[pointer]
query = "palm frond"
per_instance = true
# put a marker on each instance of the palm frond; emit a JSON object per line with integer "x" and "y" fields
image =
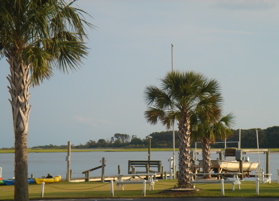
{"x": 159, "y": 98}
{"x": 153, "y": 115}
{"x": 54, "y": 28}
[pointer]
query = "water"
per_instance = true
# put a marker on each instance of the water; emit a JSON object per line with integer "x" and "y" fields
{"x": 40, "y": 164}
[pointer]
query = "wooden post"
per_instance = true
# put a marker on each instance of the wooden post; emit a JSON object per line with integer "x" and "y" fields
{"x": 87, "y": 176}
{"x": 119, "y": 170}
{"x": 68, "y": 159}
{"x": 148, "y": 167}
{"x": 133, "y": 170}
{"x": 220, "y": 155}
{"x": 241, "y": 169}
{"x": 149, "y": 155}
{"x": 267, "y": 162}
{"x": 103, "y": 170}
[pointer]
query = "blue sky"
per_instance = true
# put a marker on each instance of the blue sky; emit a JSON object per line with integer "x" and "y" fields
{"x": 235, "y": 42}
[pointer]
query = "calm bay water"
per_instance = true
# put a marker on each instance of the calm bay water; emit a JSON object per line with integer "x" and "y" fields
{"x": 40, "y": 164}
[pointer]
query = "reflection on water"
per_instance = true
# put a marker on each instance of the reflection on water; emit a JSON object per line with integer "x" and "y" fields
{"x": 40, "y": 164}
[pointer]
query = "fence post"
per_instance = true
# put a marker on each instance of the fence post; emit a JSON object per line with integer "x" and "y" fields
{"x": 144, "y": 188}
{"x": 222, "y": 187}
{"x": 257, "y": 186}
{"x": 43, "y": 189}
{"x": 111, "y": 188}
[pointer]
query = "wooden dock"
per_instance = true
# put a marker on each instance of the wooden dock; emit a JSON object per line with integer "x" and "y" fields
{"x": 109, "y": 178}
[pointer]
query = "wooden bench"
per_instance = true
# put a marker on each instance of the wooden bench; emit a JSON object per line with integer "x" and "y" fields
{"x": 144, "y": 164}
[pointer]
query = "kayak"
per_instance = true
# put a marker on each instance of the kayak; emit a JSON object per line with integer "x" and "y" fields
{"x": 12, "y": 181}
{"x": 48, "y": 180}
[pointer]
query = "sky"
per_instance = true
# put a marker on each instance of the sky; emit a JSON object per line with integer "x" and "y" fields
{"x": 234, "y": 42}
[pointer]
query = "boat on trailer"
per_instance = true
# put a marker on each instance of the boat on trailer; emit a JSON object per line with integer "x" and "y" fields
{"x": 220, "y": 166}
{"x": 233, "y": 166}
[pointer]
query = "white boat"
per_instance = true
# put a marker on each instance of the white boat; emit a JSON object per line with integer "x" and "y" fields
{"x": 233, "y": 166}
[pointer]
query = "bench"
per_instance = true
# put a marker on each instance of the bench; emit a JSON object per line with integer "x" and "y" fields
{"x": 144, "y": 164}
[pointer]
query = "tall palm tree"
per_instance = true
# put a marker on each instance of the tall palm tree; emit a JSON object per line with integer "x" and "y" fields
{"x": 208, "y": 130}
{"x": 36, "y": 36}
{"x": 180, "y": 96}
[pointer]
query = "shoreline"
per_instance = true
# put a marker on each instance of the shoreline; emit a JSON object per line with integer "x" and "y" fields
{"x": 30, "y": 150}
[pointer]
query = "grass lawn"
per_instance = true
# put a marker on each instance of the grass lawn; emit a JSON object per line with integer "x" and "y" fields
{"x": 102, "y": 190}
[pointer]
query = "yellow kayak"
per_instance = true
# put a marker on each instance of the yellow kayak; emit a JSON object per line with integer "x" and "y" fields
{"x": 48, "y": 180}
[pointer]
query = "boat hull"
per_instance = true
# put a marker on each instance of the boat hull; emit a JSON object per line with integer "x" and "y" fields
{"x": 48, "y": 180}
{"x": 233, "y": 166}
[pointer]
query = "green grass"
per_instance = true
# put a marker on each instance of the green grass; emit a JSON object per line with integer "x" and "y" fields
{"x": 102, "y": 190}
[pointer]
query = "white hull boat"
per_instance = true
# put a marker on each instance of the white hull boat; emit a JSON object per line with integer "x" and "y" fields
{"x": 233, "y": 166}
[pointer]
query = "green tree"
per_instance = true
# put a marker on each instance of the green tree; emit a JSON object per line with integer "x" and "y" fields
{"x": 35, "y": 37}
{"x": 208, "y": 129}
{"x": 136, "y": 141}
{"x": 102, "y": 143}
{"x": 179, "y": 97}
{"x": 122, "y": 137}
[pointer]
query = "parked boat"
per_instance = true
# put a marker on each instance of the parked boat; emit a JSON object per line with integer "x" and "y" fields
{"x": 48, "y": 180}
{"x": 233, "y": 166}
{"x": 2, "y": 182}
{"x": 12, "y": 181}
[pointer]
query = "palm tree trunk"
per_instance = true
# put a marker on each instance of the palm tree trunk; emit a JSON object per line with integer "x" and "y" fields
{"x": 184, "y": 178}
{"x": 206, "y": 156}
{"x": 19, "y": 91}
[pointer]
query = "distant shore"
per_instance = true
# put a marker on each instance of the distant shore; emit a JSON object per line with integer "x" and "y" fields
{"x": 30, "y": 150}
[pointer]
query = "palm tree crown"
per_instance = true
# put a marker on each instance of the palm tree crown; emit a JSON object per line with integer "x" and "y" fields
{"x": 181, "y": 95}
{"x": 42, "y": 34}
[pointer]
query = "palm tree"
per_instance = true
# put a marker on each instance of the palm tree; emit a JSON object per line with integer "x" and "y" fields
{"x": 181, "y": 96}
{"x": 208, "y": 130}
{"x": 35, "y": 37}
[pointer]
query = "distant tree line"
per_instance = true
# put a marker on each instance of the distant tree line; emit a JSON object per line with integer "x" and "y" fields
{"x": 268, "y": 138}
